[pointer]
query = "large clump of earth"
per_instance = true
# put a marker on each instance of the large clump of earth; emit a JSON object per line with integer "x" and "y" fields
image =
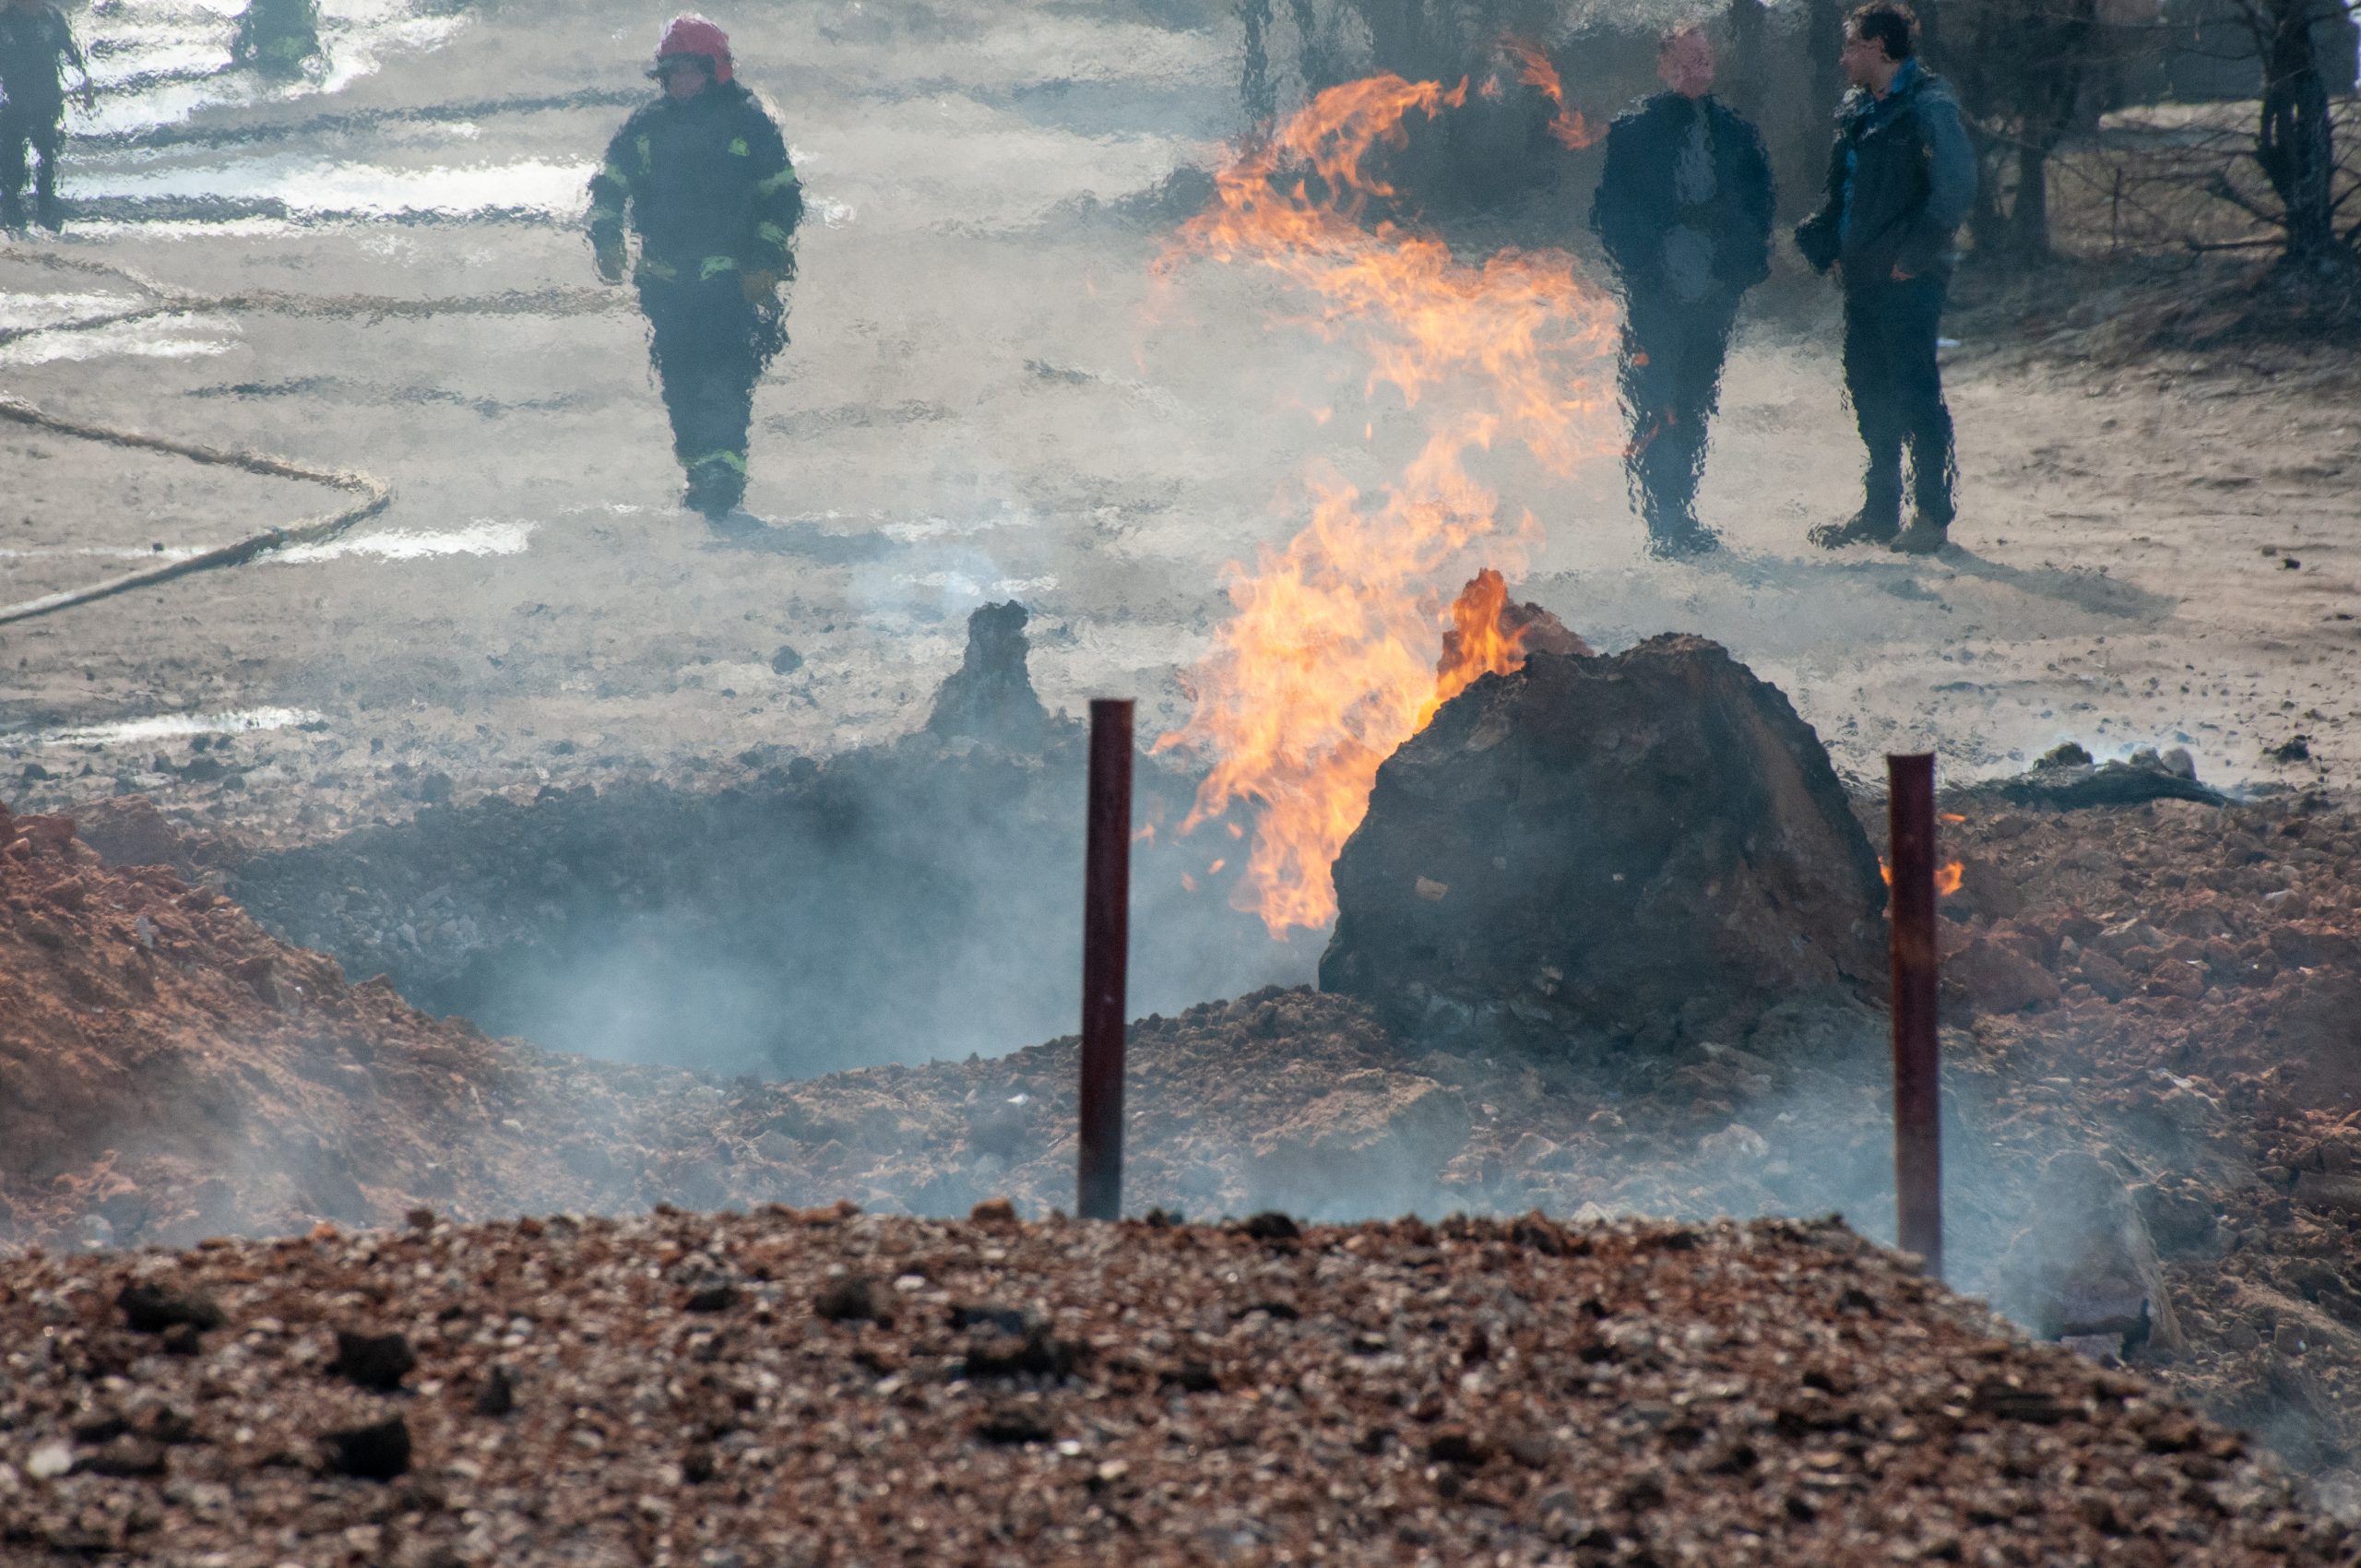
{"x": 1643, "y": 846}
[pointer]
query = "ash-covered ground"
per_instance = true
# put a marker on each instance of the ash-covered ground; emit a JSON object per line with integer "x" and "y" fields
{"x": 985, "y": 397}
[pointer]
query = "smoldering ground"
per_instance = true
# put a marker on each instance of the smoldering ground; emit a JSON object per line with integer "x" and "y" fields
{"x": 896, "y": 903}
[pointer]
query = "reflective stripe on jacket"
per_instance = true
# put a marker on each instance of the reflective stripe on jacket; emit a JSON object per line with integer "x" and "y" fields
{"x": 708, "y": 184}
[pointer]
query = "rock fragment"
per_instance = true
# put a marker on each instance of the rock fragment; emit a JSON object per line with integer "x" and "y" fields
{"x": 376, "y": 1362}
{"x": 150, "y": 1307}
{"x": 377, "y": 1452}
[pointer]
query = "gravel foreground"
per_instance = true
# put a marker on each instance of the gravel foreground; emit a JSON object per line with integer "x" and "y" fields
{"x": 828, "y": 1387}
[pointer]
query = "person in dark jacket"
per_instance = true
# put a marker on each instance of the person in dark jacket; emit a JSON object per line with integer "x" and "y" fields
{"x": 35, "y": 47}
{"x": 714, "y": 202}
{"x": 1901, "y": 179}
{"x": 1683, "y": 209}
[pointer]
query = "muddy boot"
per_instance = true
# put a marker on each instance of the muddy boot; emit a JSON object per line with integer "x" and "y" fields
{"x": 1923, "y": 537}
{"x": 1858, "y": 528}
{"x": 1681, "y": 538}
{"x": 717, "y": 484}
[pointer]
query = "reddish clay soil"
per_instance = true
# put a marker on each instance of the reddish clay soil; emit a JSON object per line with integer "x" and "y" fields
{"x": 828, "y": 1387}
{"x": 2169, "y": 991}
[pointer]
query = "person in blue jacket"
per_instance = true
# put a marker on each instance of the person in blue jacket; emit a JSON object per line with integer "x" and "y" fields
{"x": 712, "y": 195}
{"x": 1900, "y": 179}
{"x": 1683, "y": 209}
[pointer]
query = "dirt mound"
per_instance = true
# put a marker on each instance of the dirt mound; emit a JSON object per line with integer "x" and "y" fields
{"x": 1642, "y": 845}
{"x": 168, "y": 1071}
{"x": 826, "y": 1386}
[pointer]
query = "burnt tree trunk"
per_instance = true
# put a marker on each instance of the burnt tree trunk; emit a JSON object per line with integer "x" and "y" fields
{"x": 2029, "y": 217}
{"x": 2294, "y": 143}
{"x": 1746, "y": 58}
{"x": 1254, "y": 92}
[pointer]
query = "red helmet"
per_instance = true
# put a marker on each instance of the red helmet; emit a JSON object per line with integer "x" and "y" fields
{"x": 692, "y": 34}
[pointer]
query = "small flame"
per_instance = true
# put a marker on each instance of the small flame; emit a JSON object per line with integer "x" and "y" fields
{"x": 1949, "y": 877}
{"x": 1567, "y": 126}
{"x": 1477, "y": 644}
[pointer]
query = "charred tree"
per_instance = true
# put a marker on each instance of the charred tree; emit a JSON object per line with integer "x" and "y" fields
{"x": 1747, "y": 61}
{"x": 2294, "y": 142}
{"x": 2023, "y": 68}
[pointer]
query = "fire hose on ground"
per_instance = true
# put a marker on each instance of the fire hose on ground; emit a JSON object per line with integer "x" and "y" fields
{"x": 374, "y": 494}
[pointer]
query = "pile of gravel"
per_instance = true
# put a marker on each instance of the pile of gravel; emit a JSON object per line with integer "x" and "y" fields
{"x": 828, "y": 1387}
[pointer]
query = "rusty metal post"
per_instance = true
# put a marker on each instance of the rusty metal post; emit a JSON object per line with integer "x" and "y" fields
{"x": 1106, "y": 943}
{"x": 1917, "y": 1066}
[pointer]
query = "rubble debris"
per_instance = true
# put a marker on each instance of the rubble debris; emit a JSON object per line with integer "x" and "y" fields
{"x": 1776, "y": 1392}
{"x": 1646, "y": 844}
{"x": 990, "y": 696}
{"x": 2068, "y": 776}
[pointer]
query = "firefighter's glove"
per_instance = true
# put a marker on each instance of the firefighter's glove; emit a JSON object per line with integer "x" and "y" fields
{"x": 758, "y": 287}
{"x": 610, "y": 261}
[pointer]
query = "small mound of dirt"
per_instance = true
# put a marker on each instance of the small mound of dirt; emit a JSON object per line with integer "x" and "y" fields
{"x": 169, "y": 1071}
{"x": 1646, "y": 844}
{"x": 691, "y": 1389}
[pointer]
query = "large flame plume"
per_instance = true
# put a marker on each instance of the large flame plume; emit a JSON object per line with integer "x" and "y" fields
{"x": 1327, "y": 665}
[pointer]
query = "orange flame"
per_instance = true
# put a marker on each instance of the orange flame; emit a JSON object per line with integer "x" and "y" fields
{"x": 1326, "y": 666}
{"x": 1948, "y": 878}
{"x": 1567, "y": 126}
{"x": 1477, "y": 644}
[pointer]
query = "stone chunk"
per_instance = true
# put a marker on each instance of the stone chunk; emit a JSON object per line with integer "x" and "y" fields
{"x": 378, "y": 1452}
{"x": 150, "y": 1308}
{"x": 372, "y": 1360}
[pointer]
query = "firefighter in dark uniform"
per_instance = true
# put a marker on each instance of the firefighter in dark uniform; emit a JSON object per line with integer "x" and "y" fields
{"x": 278, "y": 37}
{"x": 1683, "y": 210}
{"x": 35, "y": 47}
{"x": 704, "y": 175}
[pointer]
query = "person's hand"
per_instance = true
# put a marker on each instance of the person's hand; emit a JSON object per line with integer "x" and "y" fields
{"x": 611, "y": 263}
{"x": 758, "y": 286}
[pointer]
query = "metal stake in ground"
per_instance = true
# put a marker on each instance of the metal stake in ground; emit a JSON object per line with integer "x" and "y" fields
{"x": 1105, "y": 942}
{"x": 1917, "y": 1067}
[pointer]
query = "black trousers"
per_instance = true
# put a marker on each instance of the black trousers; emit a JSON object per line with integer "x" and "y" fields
{"x": 1897, "y": 392}
{"x": 1671, "y": 376}
{"x": 709, "y": 347}
{"x": 40, "y": 127}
